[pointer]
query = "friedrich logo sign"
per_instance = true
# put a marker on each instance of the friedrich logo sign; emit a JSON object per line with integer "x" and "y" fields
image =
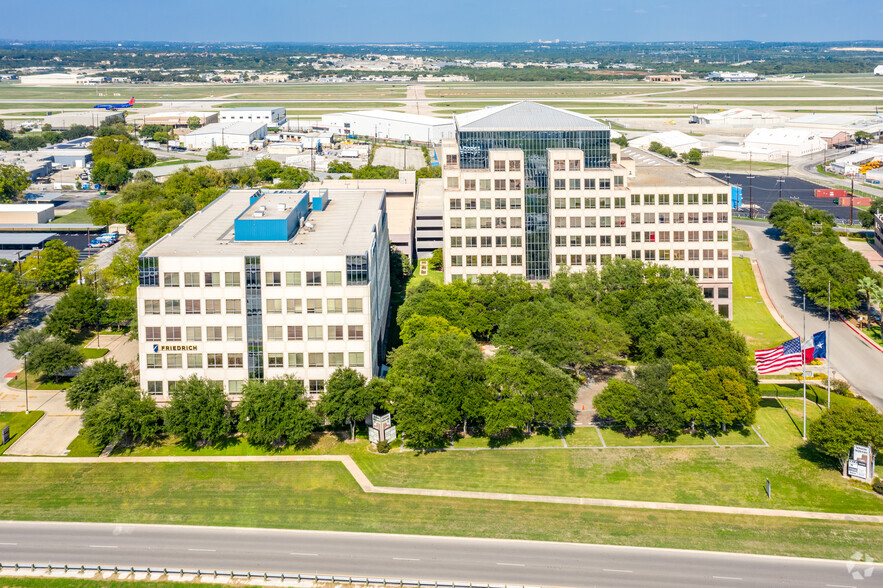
{"x": 157, "y": 348}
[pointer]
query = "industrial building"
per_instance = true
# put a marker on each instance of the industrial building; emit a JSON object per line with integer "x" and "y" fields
{"x": 878, "y": 71}
{"x": 27, "y": 160}
{"x": 73, "y": 153}
{"x": 26, "y": 214}
{"x": 792, "y": 142}
{"x": 847, "y": 122}
{"x": 675, "y": 140}
{"x": 62, "y": 121}
{"x": 738, "y": 118}
{"x": 529, "y": 188}
{"x": 61, "y": 79}
{"x": 747, "y": 154}
{"x": 272, "y": 116}
{"x": 266, "y": 283}
{"x": 850, "y": 165}
{"x": 733, "y": 76}
{"x": 180, "y": 120}
{"x": 235, "y": 135}
{"x": 386, "y": 124}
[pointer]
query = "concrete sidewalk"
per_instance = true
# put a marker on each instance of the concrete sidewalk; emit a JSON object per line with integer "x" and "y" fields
{"x": 366, "y": 486}
{"x": 50, "y": 435}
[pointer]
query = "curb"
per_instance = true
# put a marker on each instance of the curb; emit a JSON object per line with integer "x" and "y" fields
{"x": 859, "y": 333}
{"x": 765, "y": 296}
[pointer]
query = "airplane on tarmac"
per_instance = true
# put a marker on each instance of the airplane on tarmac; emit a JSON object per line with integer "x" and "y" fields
{"x": 128, "y": 104}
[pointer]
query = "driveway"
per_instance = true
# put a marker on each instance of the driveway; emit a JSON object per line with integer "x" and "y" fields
{"x": 858, "y": 362}
{"x": 38, "y": 307}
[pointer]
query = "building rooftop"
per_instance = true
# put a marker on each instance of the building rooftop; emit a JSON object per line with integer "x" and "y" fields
{"x": 401, "y": 117}
{"x": 781, "y": 136}
{"x": 526, "y": 116}
{"x": 653, "y": 170}
{"x": 25, "y": 207}
{"x": 430, "y": 195}
{"x": 274, "y": 204}
{"x": 344, "y": 227}
{"x": 240, "y": 127}
{"x": 253, "y": 109}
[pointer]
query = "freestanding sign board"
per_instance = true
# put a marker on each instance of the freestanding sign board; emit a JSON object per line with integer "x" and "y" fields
{"x": 380, "y": 428}
{"x": 5, "y": 435}
{"x": 860, "y": 466}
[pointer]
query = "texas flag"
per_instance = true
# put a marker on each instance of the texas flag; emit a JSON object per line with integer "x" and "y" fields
{"x": 815, "y": 348}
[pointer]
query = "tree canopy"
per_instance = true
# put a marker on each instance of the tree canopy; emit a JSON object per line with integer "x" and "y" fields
{"x": 275, "y": 411}
{"x": 199, "y": 412}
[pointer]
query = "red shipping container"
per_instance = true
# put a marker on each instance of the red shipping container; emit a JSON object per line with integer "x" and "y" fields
{"x": 855, "y": 201}
{"x": 826, "y": 193}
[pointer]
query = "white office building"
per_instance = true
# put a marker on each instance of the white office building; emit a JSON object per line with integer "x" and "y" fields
{"x": 529, "y": 188}
{"x": 272, "y": 116}
{"x": 261, "y": 284}
{"x": 235, "y": 135}
{"x": 386, "y": 124}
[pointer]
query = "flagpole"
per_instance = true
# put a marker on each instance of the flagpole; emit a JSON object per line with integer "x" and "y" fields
{"x": 827, "y": 344}
{"x": 803, "y": 366}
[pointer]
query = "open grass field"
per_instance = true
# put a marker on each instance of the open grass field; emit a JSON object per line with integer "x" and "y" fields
{"x": 725, "y": 164}
{"x": 79, "y": 215}
{"x": 81, "y": 447}
{"x": 18, "y": 423}
{"x": 740, "y": 240}
{"x": 324, "y": 496}
{"x": 750, "y": 315}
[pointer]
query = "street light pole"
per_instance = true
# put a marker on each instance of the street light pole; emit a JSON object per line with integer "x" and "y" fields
{"x": 27, "y": 409}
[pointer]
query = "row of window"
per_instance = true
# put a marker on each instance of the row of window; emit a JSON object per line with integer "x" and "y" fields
{"x": 234, "y": 279}
{"x": 575, "y": 203}
{"x": 484, "y": 203}
{"x": 274, "y": 333}
{"x": 636, "y": 237}
{"x": 486, "y": 222}
{"x": 590, "y": 222}
{"x": 587, "y": 183}
{"x": 708, "y": 293}
{"x": 236, "y": 360}
{"x": 501, "y": 241}
{"x": 649, "y": 218}
{"x": 155, "y": 387}
{"x": 272, "y": 306}
{"x": 592, "y": 259}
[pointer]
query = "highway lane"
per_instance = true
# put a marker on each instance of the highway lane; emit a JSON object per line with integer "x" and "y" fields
{"x": 858, "y": 362}
{"x": 404, "y": 556}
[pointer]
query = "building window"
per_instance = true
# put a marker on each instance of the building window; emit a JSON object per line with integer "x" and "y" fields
{"x": 355, "y": 332}
{"x": 471, "y": 261}
{"x": 456, "y": 223}
{"x": 191, "y": 279}
{"x": 148, "y": 271}
{"x": 192, "y": 307}
{"x": 560, "y": 260}
{"x": 174, "y": 360}
{"x": 707, "y": 217}
{"x": 605, "y": 221}
{"x": 292, "y": 278}
{"x": 664, "y": 255}
{"x": 275, "y": 360}
{"x": 708, "y": 199}
{"x": 591, "y": 240}
{"x": 604, "y": 203}
{"x": 636, "y": 236}
{"x": 194, "y": 333}
{"x": 515, "y": 184}
{"x": 485, "y": 222}
{"x": 515, "y": 260}
{"x": 295, "y": 360}
{"x": 576, "y": 222}
{"x": 604, "y": 184}
{"x": 295, "y": 333}
{"x": 677, "y": 199}
{"x": 574, "y": 184}
{"x": 469, "y": 185}
{"x": 515, "y": 203}
{"x": 214, "y": 360}
{"x": 153, "y": 360}
{"x": 560, "y": 165}
{"x": 589, "y": 183}
{"x": 453, "y": 182}
{"x": 213, "y": 306}
{"x": 234, "y": 306}
{"x": 723, "y": 273}
{"x": 484, "y": 203}
{"x": 619, "y": 240}
{"x": 316, "y": 360}
{"x": 590, "y": 202}
{"x": 354, "y": 305}
{"x": 314, "y": 278}
{"x": 485, "y": 242}
{"x": 213, "y": 334}
{"x": 693, "y": 199}
{"x": 456, "y": 261}
{"x": 154, "y": 388}
{"x": 723, "y": 292}
{"x": 334, "y": 278}
{"x": 472, "y": 223}
{"x": 335, "y": 333}
{"x": 560, "y": 184}
{"x": 234, "y": 360}
{"x": 171, "y": 280}
{"x": 274, "y": 306}
{"x": 500, "y": 222}
{"x": 500, "y": 204}
{"x": 693, "y": 217}
{"x": 501, "y": 241}
{"x": 649, "y": 218}
{"x": 234, "y": 333}
{"x": 173, "y": 307}
{"x": 314, "y": 333}
{"x": 663, "y": 199}
{"x": 514, "y": 165}
{"x": 356, "y": 270}
{"x": 314, "y": 305}
{"x": 501, "y": 260}
{"x": 664, "y": 218}
{"x": 317, "y": 386}
{"x": 484, "y": 185}
{"x": 194, "y": 361}
{"x": 212, "y": 279}
{"x": 274, "y": 333}
{"x": 487, "y": 260}
{"x": 723, "y": 217}
{"x": 151, "y": 307}
{"x": 471, "y": 241}
{"x": 499, "y": 185}
{"x": 153, "y": 333}
{"x": 231, "y": 279}
{"x": 664, "y": 236}
{"x": 451, "y": 159}
{"x": 574, "y": 165}
{"x": 293, "y": 305}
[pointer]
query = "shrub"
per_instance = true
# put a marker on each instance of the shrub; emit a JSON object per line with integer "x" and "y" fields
{"x": 383, "y": 447}
{"x": 877, "y": 486}
{"x": 840, "y": 387}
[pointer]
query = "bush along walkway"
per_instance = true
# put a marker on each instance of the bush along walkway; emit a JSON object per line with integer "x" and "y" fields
{"x": 367, "y": 487}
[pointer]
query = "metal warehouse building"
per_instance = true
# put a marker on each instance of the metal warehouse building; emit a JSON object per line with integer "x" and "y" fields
{"x": 235, "y": 135}
{"x": 385, "y": 124}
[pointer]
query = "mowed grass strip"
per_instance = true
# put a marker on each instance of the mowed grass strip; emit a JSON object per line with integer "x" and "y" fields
{"x": 750, "y": 315}
{"x": 323, "y": 496}
{"x": 740, "y": 240}
{"x": 18, "y": 423}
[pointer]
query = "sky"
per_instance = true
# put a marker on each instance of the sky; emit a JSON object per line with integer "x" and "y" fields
{"x": 389, "y": 21}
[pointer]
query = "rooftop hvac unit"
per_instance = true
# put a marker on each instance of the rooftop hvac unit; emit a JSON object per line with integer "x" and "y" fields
{"x": 281, "y": 206}
{"x": 259, "y": 213}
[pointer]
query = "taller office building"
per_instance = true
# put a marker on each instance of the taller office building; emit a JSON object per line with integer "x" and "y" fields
{"x": 529, "y": 188}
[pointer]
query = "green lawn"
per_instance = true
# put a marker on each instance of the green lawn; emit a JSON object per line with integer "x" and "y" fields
{"x": 750, "y": 314}
{"x": 434, "y": 276}
{"x": 727, "y": 164}
{"x": 81, "y": 447}
{"x": 18, "y": 423}
{"x": 614, "y": 438}
{"x": 740, "y": 240}
{"x": 35, "y": 383}
{"x": 93, "y": 352}
{"x": 738, "y": 436}
{"x": 582, "y": 437}
{"x": 77, "y": 216}
{"x": 542, "y": 438}
{"x": 324, "y": 496}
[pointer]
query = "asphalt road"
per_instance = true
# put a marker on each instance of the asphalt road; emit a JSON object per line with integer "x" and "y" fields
{"x": 850, "y": 355}
{"x": 406, "y": 557}
{"x": 38, "y": 307}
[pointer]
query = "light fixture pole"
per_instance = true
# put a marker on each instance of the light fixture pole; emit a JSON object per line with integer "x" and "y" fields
{"x": 27, "y": 409}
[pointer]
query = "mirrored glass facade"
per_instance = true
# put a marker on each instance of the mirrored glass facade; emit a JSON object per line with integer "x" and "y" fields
{"x": 474, "y": 148}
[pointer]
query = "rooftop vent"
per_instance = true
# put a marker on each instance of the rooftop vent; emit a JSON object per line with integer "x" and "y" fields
{"x": 281, "y": 206}
{"x": 259, "y": 213}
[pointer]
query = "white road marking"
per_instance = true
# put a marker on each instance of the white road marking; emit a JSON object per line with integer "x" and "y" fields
{"x": 305, "y": 554}
{"x": 104, "y": 547}
{"x": 839, "y": 586}
{"x": 725, "y": 578}
{"x": 8, "y": 543}
{"x": 405, "y": 559}
{"x": 510, "y": 564}
{"x": 620, "y": 571}
{"x": 197, "y": 549}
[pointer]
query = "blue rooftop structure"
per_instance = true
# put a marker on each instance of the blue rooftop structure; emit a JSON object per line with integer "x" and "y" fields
{"x": 272, "y": 216}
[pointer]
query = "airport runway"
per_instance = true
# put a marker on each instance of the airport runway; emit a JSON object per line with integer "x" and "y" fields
{"x": 410, "y": 557}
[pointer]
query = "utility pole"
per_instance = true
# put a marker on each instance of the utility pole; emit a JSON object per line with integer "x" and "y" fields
{"x": 803, "y": 366}
{"x": 851, "y": 197}
{"x": 750, "y": 193}
{"x": 780, "y": 181}
{"x": 828, "y": 344}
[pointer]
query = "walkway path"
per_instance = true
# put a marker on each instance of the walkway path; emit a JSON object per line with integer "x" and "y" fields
{"x": 366, "y": 486}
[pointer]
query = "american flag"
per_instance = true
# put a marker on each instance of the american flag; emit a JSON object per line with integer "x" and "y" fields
{"x": 786, "y": 355}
